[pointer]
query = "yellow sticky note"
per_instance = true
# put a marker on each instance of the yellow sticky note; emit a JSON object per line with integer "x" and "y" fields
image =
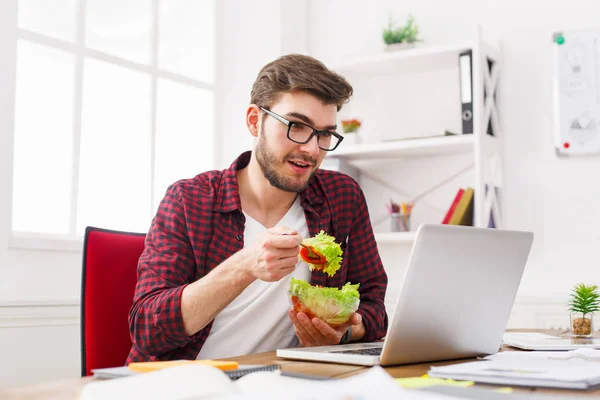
{"x": 503, "y": 390}
{"x": 425, "y": 381}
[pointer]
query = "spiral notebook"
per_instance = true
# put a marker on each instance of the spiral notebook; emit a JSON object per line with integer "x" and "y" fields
{"x": 119, "y": 372}
{"x": 248, "y": 369}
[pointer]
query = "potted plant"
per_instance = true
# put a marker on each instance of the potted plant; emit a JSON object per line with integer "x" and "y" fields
{"x": 350, "y": 128}
{"x": 401, "y": 37}
{"x": 585, "y": 301}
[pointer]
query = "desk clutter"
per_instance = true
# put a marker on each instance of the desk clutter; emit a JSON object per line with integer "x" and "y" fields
{"x": 198, "y": 381}
{"x": 202, "y": 381}
{"x": 577, "y": 369}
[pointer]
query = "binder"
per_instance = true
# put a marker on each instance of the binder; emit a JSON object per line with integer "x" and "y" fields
{"x": 466, "y": 90}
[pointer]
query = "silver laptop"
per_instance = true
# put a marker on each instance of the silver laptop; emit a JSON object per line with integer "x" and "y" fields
{"x": 454, "y": 302}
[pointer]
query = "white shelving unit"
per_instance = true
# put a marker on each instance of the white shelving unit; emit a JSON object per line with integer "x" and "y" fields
{"x": 481, "y": 149}
{"x": 418, "y": 59}
{"x": 395, "y": 237}
{"x": 406, "y": 148}
{"x": 407, "y": 99}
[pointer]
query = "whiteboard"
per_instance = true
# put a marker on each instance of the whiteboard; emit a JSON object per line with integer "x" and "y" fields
{"x": 577, "y": 92}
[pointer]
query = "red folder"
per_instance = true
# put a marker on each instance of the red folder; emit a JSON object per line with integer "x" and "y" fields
{"x": 453, "y": 206}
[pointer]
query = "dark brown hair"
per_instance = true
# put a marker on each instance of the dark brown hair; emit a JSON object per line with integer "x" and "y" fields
{"x": 299, "y": 72}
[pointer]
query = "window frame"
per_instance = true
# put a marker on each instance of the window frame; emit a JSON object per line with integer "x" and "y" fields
{"x": 72, "y": 242}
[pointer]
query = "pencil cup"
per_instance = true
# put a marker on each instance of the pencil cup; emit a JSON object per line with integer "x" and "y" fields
{"x": 400, "y": 222}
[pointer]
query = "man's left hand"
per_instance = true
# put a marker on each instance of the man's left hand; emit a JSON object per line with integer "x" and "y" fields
{"x": 316, "y": 332}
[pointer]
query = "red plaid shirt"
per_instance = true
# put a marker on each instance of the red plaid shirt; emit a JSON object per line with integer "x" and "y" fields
{"x": 200, "y": 224}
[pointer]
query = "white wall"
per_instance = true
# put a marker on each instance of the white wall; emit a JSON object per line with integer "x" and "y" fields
{"x": 555, "y": 198}
{"x": 254, "y": 33}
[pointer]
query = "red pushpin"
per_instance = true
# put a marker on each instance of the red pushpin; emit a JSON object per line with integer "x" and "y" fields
{"x": 566, "y": 145}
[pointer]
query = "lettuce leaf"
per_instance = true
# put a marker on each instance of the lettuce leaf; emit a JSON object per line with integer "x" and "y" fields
{"x": 327, "y": 246}
{"x": 332, "y": 305}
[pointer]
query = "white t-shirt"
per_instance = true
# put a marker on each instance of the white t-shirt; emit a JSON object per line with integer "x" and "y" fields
{"x": 257, "y": 320}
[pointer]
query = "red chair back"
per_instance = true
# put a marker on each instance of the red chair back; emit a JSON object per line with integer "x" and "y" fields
{"x": 108, "y": 280}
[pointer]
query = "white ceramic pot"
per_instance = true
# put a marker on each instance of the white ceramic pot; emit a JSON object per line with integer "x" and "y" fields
{"x": 399, "y": 46}
{"x": 351, "y": 138}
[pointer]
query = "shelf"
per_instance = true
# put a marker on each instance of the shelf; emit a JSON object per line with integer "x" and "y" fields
{"x": 395, "y": 237}
{"x": 418, "y": 59}
{"x": 406, "y": 148}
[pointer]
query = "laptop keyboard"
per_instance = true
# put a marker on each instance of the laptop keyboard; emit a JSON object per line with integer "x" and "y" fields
{"x": 373, "y": 351}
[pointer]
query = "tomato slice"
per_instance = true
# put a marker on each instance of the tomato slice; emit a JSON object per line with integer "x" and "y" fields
{"x": 299, "y": 307}
{"x": 317, "y": 259}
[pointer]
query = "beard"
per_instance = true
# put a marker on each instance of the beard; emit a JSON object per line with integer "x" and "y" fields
{"x": 268, "y": 164}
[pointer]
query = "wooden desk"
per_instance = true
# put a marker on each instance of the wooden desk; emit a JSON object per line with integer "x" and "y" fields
{"x": 69, "y": 389}
{"x": 401, "y": 371}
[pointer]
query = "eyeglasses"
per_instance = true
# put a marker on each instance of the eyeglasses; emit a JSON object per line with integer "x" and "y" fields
{"x": 301, "y": 133}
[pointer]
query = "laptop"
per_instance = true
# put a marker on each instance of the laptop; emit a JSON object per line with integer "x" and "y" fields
{"x": 454, "y": 302}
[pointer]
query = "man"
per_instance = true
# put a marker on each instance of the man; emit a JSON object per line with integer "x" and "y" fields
{"x": 214, "y": 275}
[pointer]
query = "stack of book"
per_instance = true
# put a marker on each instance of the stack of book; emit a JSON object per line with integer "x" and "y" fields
{"x": 461, "y": 209}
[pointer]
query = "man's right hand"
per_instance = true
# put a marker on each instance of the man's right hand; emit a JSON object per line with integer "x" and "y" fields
{"x": 274, "y": 255}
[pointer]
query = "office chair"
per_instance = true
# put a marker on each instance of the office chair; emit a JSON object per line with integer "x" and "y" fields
{"x": 108, "y": 279}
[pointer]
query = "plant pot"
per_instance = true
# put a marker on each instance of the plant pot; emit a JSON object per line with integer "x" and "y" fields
{"x": 582, "y": 326}
{"x": 351, "y": 138}
{"x": 399, "y": 46}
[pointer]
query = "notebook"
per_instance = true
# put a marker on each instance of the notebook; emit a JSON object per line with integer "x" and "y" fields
{"x": 242, "y": 370}
{"x": 454, "y": 301}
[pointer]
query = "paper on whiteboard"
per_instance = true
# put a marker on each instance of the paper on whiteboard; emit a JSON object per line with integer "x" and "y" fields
{"x": 577, "y": 92}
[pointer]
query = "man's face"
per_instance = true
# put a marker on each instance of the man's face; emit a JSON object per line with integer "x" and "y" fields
{"x": 287, "y": 165}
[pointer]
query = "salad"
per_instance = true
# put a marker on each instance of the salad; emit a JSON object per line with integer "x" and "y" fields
{"x": 322, "y": 253}
{"x": 332, "y": 305}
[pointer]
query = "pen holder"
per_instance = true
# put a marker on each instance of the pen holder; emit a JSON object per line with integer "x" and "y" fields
{"x": 400, "y": 222}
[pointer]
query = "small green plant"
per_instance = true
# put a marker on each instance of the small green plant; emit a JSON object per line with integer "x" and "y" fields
{"x": 584, "y": 299}
{"x": 404, "y": 34}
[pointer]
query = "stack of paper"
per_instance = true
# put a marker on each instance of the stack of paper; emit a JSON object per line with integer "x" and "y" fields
{"x": 204, "y": 382}
{"x": 541, "y": 341}
{"x": 577, "y": 369}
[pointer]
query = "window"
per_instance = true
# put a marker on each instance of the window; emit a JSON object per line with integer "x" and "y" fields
{"x": 114, "y": 102}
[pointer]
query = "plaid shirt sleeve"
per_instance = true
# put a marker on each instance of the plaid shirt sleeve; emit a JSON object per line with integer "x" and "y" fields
{"x": 165, "y": 268}
{"x": 365, "y": 266}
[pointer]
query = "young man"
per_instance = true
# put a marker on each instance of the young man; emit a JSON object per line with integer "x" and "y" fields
{"x": 213, "y": 278}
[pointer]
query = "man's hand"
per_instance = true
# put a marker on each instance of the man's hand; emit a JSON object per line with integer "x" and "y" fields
{"x": 316, "y": 332}
{"x": 274, "y": 255}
